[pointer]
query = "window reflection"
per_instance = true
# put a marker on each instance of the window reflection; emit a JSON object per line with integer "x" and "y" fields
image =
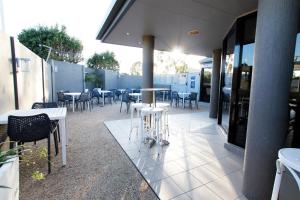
{"x": 296, "y": 74}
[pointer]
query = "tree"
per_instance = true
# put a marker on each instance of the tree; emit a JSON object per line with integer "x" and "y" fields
{"x": 64, "y": 47}
{"x": 105, "y": 60}
{"x": 136, "y": 68}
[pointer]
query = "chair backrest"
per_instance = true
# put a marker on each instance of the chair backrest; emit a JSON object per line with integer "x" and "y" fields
{"x": 40, "y": 105}
{"x": 193, "y": 95}
{"x": 174, "y": 95}
{"x": 37, "y": 105}
{"x": 84, "y": 96}
{"x": 60, "y": 96}
{"x": 28, "y": 128}
{"x": 50, "y": 105}
{"x": 125, "y": 97}
{"x": 96, "y": 93}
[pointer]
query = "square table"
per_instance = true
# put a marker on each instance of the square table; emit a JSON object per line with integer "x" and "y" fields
{"x": 54, "y": 114}
{"x": 73, "y": 94}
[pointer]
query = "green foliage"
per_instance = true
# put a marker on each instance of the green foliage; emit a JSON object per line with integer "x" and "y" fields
{"x": 64, "y": 47}
{"x": 181, "y": 67}
{"x": 94, "y": 78}
{"x": 105, "y": 60}
{"x": 28, "y": 157}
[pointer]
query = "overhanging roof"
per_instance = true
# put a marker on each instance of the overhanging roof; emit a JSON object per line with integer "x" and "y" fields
{"x": 171, "y": 20}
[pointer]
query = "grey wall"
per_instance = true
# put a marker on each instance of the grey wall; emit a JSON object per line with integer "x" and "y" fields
{"x": 68, "y": 76}
{"x": 128, "y": 81}
{"x": 111, "y": 80}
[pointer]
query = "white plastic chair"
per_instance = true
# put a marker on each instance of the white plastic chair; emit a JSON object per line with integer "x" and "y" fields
{"x": 289, "y": 158}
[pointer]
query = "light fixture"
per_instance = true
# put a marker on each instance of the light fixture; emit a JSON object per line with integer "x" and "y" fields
{"x": 128, "y": 34}
{"x": 177, "y": 51}
{"x": 193, "y": 32}
{"x": 139, "y": 43}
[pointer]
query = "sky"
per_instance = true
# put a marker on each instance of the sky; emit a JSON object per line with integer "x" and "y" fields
{"x": 83, "y": 20}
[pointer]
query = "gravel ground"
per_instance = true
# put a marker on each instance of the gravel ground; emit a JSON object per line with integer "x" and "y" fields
{"x": 97, "y": 167}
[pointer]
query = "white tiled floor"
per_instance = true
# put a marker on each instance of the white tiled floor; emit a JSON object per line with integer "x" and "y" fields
{"x": 195, "y": 165}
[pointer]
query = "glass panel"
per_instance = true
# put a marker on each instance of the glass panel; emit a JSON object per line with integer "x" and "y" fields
{"x": 205, "y": 87}
{"x": 247, "y": 57}
{"x": 296, "y": 75}
{"x": 228, "y": 72}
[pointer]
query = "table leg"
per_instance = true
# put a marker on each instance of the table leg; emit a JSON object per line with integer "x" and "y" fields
{"x": 73, "y": 98}
{"x": 183, "y": 101}
{"x": 154, "y": 99}
{"x": 103, "y": 99}
{"x": 64, "y": 140}
{"x": 164, "y": 95}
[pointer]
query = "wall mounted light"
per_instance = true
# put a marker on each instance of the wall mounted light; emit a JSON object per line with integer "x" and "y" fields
{"x": 22, "y": 64}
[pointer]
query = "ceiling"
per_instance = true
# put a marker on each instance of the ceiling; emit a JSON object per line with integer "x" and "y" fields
{"x": 171, "y": 20}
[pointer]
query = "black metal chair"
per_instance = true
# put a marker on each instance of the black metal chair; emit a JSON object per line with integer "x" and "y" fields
{"x": 63, "y": 100}
{"x": 118, "y": 94}
{"x": 126, "y": 99}
{"x": 193, "y": 97}
{"x": 29, "y": 129}
{"x": 84, "y": 100}
{"x": 110, "y": 96}
{"x": 174, "y": 97}
{"x": 54, "y": 123}
{"x": 96, "y": 94}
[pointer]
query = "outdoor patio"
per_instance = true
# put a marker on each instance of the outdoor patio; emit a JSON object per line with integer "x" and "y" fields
{"x": 99, "y": 168}
{"x": 195, "y": 165}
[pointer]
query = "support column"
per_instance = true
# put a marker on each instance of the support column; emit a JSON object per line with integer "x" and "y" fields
{"x": 276, "y": 30}
{"x": 215, "y": 81}
{"x": 148, "y": 66}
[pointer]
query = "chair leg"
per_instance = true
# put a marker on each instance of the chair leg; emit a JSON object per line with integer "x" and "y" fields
{"x": 49, "y": 157}
{"x": 55, "y": 142}
{"x": 58, "y": 132}
{"x": 121, "y": 106}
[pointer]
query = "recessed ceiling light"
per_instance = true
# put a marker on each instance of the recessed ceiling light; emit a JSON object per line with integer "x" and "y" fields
{"x": 193, "y": 32}
{"x": 139, "y": 42}
{"x": 128, "y": 34}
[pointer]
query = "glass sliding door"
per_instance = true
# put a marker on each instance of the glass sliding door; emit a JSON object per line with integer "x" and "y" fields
{"x": 226, "y": 80}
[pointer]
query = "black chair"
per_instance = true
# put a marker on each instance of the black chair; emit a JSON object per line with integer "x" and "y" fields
{"x": 54, "y": 123}
{"x": 84, "y": 100}
{"x": 126, "y": 99}
{"x": 110, "y": 96}
{"x": 118, "y": 94}
{"x": 186, "y": 98}
{"x": 193, "y": 97}
{"x": 96, "y": 94}
{"x": 174, "y": 97}
{"x": 63, "y": 100}
{"x": 29, "y": 129}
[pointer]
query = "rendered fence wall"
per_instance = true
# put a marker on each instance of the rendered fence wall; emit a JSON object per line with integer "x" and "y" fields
{"x": 29, "y": 76}
{"x": 67, "y": 76}
{"x": 6, "y": 77}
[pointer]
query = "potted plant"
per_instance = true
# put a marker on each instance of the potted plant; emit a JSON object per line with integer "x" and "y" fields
{"x": 94, "y": 79}
{"x": 9, "y": 168}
